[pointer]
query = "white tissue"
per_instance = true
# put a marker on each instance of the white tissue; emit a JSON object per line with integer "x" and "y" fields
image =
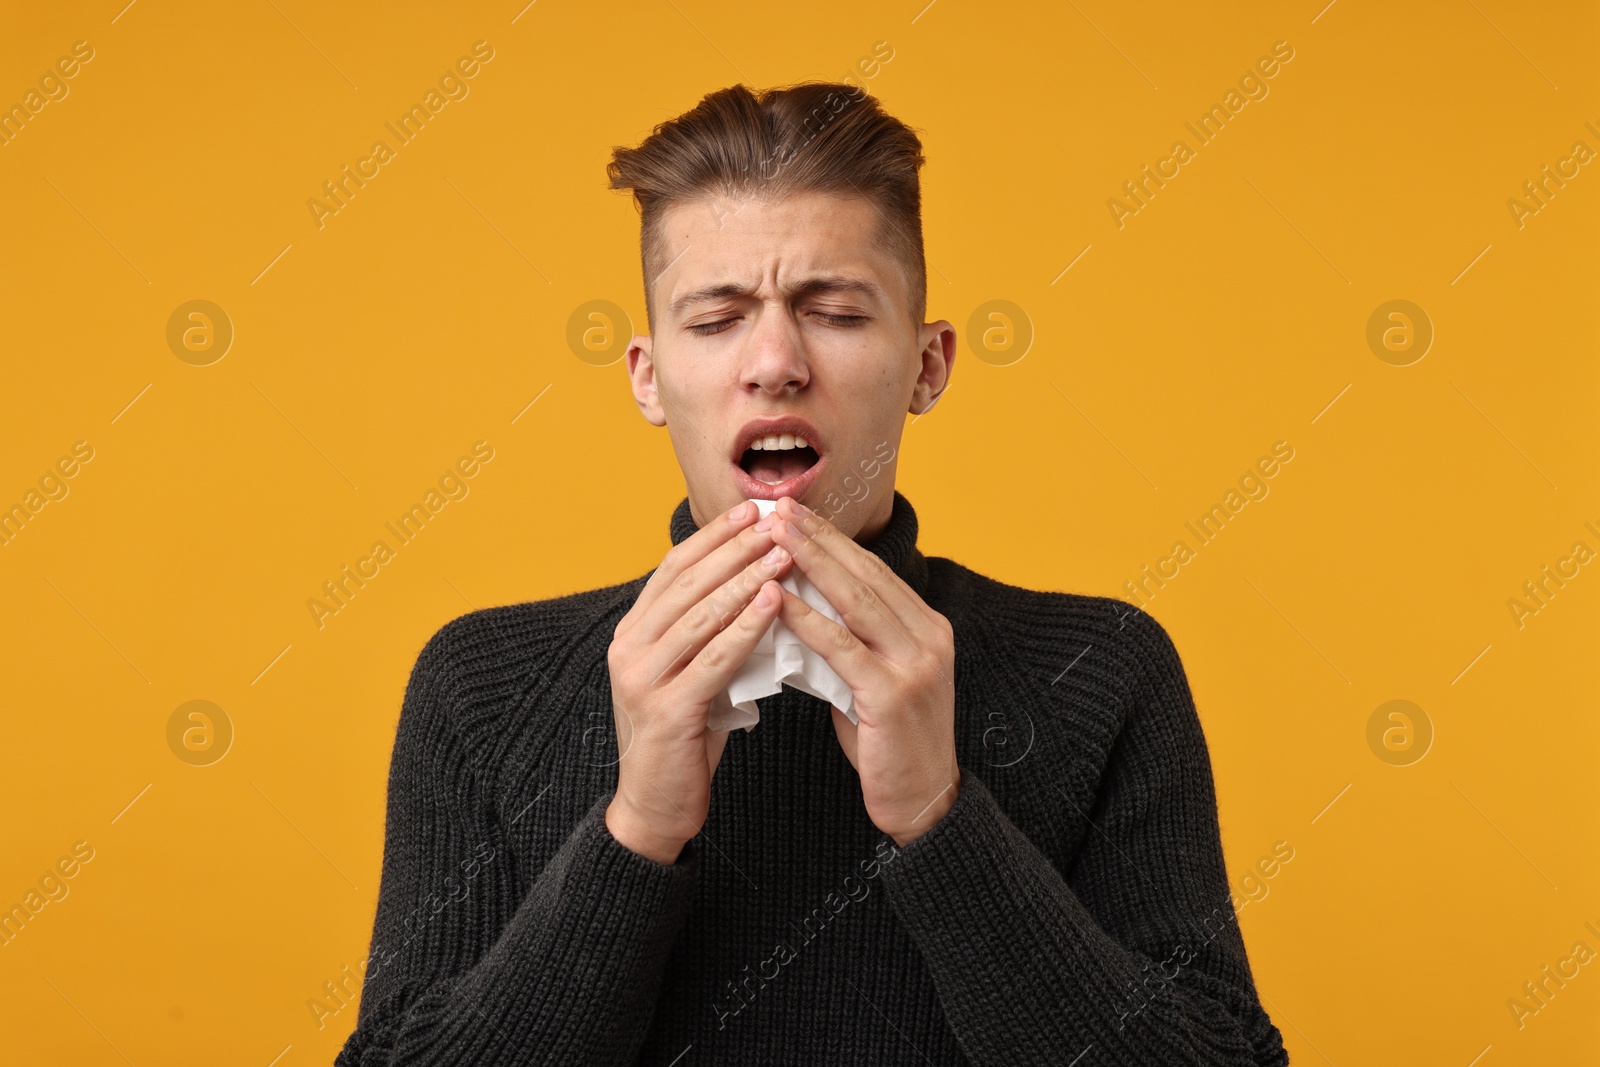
{"x": 779, "y": 659}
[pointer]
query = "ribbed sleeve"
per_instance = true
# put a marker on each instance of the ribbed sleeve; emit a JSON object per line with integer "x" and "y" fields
{"x": 469, "y": 966}
{"x": 1133, "y": 956}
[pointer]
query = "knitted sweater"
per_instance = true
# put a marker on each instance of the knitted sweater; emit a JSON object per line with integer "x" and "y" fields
{"x": 1072, "y": 906}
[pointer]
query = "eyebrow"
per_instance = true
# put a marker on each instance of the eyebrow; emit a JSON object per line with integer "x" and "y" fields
{"x": 808, "y": 287}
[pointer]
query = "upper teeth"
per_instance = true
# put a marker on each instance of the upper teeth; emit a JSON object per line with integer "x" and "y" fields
{"x": 779, "y": 440}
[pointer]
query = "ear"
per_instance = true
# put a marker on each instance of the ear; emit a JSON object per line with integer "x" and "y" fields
{"x": 938, "y": 358}
{"x": 642, "y": 375}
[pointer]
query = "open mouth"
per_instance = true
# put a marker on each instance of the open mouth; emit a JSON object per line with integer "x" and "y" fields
{"x": 781, "y": 457}
{"x": 778, "y": 458}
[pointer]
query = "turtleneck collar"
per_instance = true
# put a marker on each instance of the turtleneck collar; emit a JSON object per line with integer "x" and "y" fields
{"x": 896, "y": 545}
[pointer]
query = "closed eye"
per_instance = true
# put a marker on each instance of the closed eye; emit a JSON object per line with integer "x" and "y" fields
{"x": 704, "y": 330}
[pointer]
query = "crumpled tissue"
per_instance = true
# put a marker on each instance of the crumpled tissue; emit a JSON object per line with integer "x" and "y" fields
{"x": 780, "y": 658}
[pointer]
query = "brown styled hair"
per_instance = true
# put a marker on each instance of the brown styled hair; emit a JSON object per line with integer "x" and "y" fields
{"x": 812, "y": 137}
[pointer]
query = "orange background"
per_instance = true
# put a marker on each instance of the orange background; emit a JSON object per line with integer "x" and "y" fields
{"x": 1230, "y": 312}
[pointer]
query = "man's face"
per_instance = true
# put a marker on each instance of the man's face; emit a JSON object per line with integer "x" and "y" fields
{"x": 772, "y": 311}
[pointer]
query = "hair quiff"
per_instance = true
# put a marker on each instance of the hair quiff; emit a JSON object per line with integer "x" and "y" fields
{"x": 812, "y": 137}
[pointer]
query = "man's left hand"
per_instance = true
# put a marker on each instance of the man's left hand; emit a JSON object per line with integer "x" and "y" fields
{"x": 897, "y": 655}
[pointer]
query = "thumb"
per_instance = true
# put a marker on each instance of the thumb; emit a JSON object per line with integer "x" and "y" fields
{"x": 716, "y": 742}
{"x": 846, "y": 732}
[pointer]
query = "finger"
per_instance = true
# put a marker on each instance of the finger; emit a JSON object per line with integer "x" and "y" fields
{"x": 843, "y": 555}
{"x": 882, "y": 610}
{"x": 709, "y": 672}
{"x": 697, "y": 626}
{"x": 873, "y": 601}
{"x": 690, "y": 551}
{"x": 857, "y": 665}
{"x": 693, "y": 585}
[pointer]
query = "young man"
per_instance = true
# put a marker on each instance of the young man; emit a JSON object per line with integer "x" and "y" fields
{"x": 1009, "y": 854}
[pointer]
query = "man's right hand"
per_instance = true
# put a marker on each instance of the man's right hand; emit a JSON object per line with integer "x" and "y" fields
{"x": 674, "y": 652}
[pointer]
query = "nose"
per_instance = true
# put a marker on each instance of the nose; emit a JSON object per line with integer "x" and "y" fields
{"x": 774, "y": 356}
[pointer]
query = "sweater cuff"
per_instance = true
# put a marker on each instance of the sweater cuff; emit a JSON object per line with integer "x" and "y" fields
{"x": 933, "y": 870}
{"x": 611, "y": 857}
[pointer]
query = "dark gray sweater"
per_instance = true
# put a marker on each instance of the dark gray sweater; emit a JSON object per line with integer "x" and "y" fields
{"x": 1072, "y": 907}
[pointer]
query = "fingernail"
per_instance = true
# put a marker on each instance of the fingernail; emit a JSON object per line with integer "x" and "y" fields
{"x": 739, "y": 512}
{"x": 765, "y": 523}
{"x": 775, "y": 557}
{"x": 794, "y": 531}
